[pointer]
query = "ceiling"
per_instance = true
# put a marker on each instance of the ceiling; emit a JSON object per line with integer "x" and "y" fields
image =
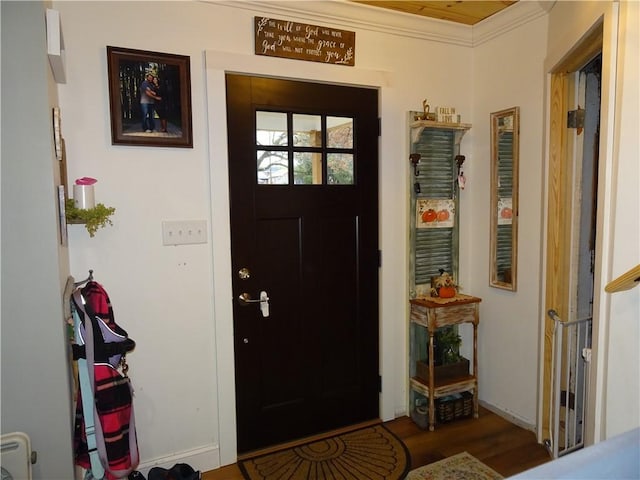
{"x": 468, "y": 12}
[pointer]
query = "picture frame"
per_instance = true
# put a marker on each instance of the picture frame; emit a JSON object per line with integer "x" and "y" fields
{"x": 62, "y": 214}
{"x": 159, "y": 115}
{"x": 57, "y": 133}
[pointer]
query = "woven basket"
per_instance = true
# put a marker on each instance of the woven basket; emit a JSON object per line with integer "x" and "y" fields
{"x": 454, "y": 407}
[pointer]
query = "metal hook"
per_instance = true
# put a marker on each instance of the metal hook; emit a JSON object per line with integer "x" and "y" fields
{"x": 415, "y": 160}
{"x": 459, "y": 161}
{"x": 88, "y": 279}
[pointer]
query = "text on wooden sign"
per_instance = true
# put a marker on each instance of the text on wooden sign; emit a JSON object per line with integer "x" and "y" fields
{"x": 299, "y": 41}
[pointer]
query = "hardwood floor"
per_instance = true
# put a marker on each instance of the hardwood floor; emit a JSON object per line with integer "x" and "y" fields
{"x": 505, "y": 447}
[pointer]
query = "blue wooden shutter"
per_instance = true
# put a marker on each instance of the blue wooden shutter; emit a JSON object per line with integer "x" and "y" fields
{"x": 435, "y": 248}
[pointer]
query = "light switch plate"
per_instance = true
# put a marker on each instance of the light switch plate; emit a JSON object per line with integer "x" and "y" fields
{"x": 183, "y": 232}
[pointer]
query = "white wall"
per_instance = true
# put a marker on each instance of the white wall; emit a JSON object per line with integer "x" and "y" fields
{"x": 163, "y": 295}
{"x": 36, "y": 392}
{"x": 507, "y": 73}
{"x": 623, "y": 360}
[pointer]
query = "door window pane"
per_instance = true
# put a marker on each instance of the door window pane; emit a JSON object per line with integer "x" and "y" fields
{"x": 315, "y": 139}
{"x": 307, "y": 168}
{"x": 273, "y": 167}
{"x": 307, "y": 130}
{"x": 271, "y": 128}
{"x": 340, "y": 169}
{"x": 339, "y": 132}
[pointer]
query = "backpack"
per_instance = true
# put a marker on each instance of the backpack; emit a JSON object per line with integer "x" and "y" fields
{"x": 105, "y": 440}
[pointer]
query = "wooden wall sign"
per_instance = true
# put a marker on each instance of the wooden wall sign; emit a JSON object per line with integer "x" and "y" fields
{"x": 299, "y": 41}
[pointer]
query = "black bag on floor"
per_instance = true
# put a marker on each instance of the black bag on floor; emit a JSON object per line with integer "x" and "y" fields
{"x": 180, "y": 471}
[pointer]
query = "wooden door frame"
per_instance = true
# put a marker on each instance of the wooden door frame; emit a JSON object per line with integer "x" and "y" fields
{"x": 558, "y": 208}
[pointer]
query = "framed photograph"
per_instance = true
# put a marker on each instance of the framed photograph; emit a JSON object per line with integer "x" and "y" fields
{"x": 149, "y": 98}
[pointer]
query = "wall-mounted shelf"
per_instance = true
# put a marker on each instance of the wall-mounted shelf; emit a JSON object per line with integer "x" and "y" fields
{"x": 418, "y": 126}
{"x": 626, "y": 281}
{"x": 92, "y": 218}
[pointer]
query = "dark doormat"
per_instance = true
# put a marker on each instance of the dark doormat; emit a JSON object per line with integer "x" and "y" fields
{"x": 368, "y": 453}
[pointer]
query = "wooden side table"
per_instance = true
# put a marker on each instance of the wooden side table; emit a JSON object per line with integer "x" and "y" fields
{"x": 433, "y": 313}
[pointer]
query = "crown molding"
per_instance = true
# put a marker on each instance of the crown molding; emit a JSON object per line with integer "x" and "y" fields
{"x": 354, "y": 15}
{"x": 508, "y": 19}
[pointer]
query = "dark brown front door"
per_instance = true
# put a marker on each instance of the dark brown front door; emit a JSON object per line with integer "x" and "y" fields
{"x": 303, "y": 176}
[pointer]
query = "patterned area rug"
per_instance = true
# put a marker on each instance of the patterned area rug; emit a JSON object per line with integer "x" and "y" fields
{"x": 459, "y": 467}
{"x": 368, "y": 453}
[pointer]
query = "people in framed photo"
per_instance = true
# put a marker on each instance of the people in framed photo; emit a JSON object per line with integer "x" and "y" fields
{"x": 149, "y": 98}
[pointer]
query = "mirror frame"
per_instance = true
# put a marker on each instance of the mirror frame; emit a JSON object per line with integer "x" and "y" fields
{"x": 496, "y": 118}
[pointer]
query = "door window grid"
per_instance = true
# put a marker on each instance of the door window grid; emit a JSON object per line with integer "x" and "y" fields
{"x": 304, "y": 149}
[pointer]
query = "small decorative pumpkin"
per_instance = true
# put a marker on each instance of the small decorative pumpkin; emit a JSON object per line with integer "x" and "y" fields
{"x": 443, "y": 286}
{"x": 447, "y": 292}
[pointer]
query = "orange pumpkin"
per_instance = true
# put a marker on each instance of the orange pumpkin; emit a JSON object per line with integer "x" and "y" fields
{"x": 429, "y": 216}
{"x": 447, "y": 292}
{"x": 443, "y": 215}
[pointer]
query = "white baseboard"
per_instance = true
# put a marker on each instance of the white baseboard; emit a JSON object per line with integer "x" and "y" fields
{"x": 509, "y": 417}
{"x": 401, "y": 412}
{"x": 203, "y": 459}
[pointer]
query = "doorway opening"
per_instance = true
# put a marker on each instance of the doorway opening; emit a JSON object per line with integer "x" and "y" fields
{"x": 571, "y": 246}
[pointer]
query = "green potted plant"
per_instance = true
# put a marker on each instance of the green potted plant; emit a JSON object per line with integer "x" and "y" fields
{"x": 448, "y": 363}
{"x": 447, "y": 343}
{"x": 92, "y": 218}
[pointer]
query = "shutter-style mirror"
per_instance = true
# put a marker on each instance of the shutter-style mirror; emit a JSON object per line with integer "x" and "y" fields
{"x": 505, "y": 132}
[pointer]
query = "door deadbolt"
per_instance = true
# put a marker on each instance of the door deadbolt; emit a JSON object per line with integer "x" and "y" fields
{"x": 244, "y": 273}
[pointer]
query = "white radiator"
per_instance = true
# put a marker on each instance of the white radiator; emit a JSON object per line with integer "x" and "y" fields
{"x": 16, "y": 456}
